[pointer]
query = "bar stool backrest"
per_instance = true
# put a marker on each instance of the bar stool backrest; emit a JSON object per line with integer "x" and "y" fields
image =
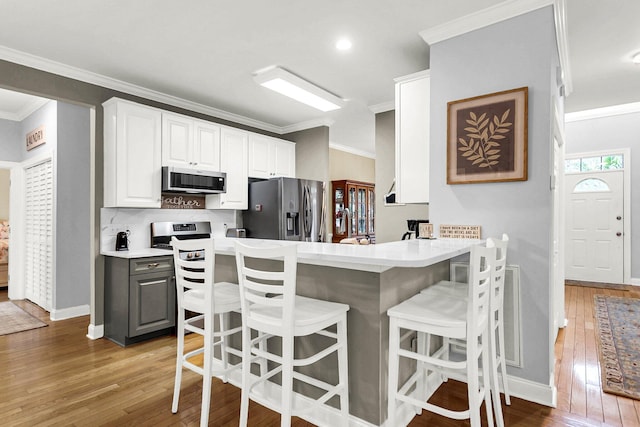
{"x": 262, "y": 288}
{"x": 197, "y": 275}
{"x": 497, "y": 297}
{"x": 481, "y": 263}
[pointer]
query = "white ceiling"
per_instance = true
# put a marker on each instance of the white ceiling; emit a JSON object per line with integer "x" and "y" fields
{"x": 205, "y": 52}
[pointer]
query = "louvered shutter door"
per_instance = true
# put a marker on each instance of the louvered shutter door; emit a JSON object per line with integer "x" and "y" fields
{"x": 39, "y": 234}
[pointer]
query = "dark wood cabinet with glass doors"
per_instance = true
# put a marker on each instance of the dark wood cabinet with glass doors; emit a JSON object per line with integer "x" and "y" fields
{"x": 359, "y": 199}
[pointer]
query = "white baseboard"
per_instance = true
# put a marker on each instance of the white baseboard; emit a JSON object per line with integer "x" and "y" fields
{"x": 635, "y": 281}
{"x": 68, "y": 313}
{"x": 542, "y": 394}
{"x": 95, "y": 331}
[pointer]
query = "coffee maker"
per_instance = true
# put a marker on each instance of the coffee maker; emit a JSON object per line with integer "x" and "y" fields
{"x": 122, "y": 241}
{"x": 413, "y": 225}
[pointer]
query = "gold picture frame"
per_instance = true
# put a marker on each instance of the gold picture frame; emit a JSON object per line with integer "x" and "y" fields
{"x": 487, "y": 138}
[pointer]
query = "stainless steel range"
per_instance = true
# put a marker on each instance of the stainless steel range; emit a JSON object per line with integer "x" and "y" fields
{"x": 162, "y": 232}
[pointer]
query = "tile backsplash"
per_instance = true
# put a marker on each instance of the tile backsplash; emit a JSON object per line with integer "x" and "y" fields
{"x": 137, "y": 221}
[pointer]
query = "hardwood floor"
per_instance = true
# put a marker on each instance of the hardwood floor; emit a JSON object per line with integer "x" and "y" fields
{"x": 55, "y": 376}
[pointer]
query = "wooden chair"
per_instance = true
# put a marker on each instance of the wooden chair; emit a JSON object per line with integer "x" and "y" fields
{"x": 448, "y": 317}
{"x": 197, "y": 292}
{"x": 271, "y": 307}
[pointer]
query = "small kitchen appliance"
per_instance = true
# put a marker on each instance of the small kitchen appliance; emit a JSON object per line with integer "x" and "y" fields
{"x": 122, "y": 241}
{"x": 162, "y": 232}
{"x": 413, "y": 225}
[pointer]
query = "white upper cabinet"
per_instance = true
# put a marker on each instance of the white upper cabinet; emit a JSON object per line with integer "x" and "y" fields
{"x": 190, "y": 143}
{"x": 412, "y": 138}
{"x": 271, "y": 157}
{"x": 234, "y": 145}
{"x": 132, "y": 155}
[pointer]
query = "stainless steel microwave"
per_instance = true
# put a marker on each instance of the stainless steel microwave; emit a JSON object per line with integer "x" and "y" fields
{"x": 193, "y": 181}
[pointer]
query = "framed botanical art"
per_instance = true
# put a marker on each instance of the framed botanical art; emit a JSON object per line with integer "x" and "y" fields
{"x": 487, "y": 138}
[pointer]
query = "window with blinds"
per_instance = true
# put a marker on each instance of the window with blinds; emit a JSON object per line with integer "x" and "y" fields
{"x": 39, "y": 234}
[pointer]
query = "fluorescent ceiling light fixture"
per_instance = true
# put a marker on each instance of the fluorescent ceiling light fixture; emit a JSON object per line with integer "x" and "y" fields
{"x": 282, "y": 81}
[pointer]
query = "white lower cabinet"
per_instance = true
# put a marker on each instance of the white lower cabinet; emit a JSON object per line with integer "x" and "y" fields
{"x": 234, "y": 145}
{"x": 132, "y": 155}
{"x": 271, "y": 157}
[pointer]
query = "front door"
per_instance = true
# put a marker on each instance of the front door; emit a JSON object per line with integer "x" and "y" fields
{"x": 595, "y": 226}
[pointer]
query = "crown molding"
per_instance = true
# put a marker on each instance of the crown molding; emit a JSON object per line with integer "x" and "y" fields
{"x": 25, "y": 112}
{"x": 309, "y": 124}
{"x": 383, "y": 107}
{"x": 352, "y": 150}
{"x": 64, "y": 70}
{"x": 501, "y": 12}
{"x": 482, "y": 18}
{"x": 596, "y": 113}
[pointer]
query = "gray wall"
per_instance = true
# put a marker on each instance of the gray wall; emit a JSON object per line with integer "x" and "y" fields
{"x": 610, "y": 133}
{"x": 391, "y": 221}
{"x": 312, "y": 153}
{"x": 73, "y": 256}
{"x": 43, "y": 116}
{"x": 510, "y": 54}
{"x": 9, "y": 137}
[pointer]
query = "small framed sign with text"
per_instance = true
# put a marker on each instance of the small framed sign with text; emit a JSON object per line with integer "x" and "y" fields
{"x": 460, "y": 231}
{"x": 35, "y": 138}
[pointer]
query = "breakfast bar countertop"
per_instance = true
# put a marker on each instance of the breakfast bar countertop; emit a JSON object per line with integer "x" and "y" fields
{"x": 374, "y": 258}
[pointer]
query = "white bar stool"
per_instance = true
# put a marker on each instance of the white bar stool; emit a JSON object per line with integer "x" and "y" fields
{"x": 197, "y": 292}
{"x": 496, "y": 320}
{"x": 271, "y": 307}
{"x": 450, "y": 318}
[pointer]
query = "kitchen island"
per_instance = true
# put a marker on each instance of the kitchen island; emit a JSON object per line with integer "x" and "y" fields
{"x": 370, "y": 279}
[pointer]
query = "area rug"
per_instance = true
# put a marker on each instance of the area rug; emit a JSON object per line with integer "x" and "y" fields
{"x": 14, "y": 319}
{"x": 583, "y": 283}
{"x": 618, "y": 336}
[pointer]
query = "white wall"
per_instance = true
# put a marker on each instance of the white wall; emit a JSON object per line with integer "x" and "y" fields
{"x": 610, "y": 133}
{"x": 510, "y": 54}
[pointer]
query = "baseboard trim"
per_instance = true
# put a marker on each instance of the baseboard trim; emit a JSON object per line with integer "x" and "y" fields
{"x": 635, "y": 281}
{"x": 68, "y": 313}
{"x": 542, "y": 394}
{"x": 95, "y": 331}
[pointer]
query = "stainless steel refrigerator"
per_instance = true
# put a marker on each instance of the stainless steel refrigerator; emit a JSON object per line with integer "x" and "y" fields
{"x": 285, "y": 209}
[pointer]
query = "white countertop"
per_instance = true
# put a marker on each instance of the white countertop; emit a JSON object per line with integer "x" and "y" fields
{"x": 374, "y": 258}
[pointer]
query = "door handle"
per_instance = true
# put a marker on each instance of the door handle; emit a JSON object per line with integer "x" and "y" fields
{"x": 618, "y": 234}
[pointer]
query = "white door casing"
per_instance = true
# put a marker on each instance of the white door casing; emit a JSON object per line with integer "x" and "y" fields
{"x": 595, "y": 226}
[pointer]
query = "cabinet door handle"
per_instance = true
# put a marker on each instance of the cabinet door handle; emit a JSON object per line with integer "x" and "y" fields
{"x": 153, "y": 264}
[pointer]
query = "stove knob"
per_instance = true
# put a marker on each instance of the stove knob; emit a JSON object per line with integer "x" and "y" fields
{"x": 189, "y": 255}
{"x": 197, "y": 255}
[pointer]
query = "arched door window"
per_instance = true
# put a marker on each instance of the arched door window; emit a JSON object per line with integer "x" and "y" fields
{"x": 591, "y": 185}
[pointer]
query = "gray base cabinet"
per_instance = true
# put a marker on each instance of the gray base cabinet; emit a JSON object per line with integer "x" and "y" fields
{"x": 140, "y": 298}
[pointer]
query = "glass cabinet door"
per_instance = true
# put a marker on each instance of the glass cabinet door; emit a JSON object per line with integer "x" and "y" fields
{"x": 339, "y": 210}
{"x": 353, "y": 208}
{"x": 371, "y": 211}
{"x": 362, "y": 210}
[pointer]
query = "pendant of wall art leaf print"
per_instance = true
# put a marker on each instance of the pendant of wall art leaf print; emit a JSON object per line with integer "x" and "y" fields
{"x": 484, "y": 136}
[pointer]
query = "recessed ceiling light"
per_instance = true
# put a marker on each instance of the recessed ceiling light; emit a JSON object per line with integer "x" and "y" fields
{"x": 636, "y": 58}
{"x": 343, "y": 44}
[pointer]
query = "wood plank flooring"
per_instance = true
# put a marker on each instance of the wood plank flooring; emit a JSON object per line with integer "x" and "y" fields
{"x": 55, "y": 376}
